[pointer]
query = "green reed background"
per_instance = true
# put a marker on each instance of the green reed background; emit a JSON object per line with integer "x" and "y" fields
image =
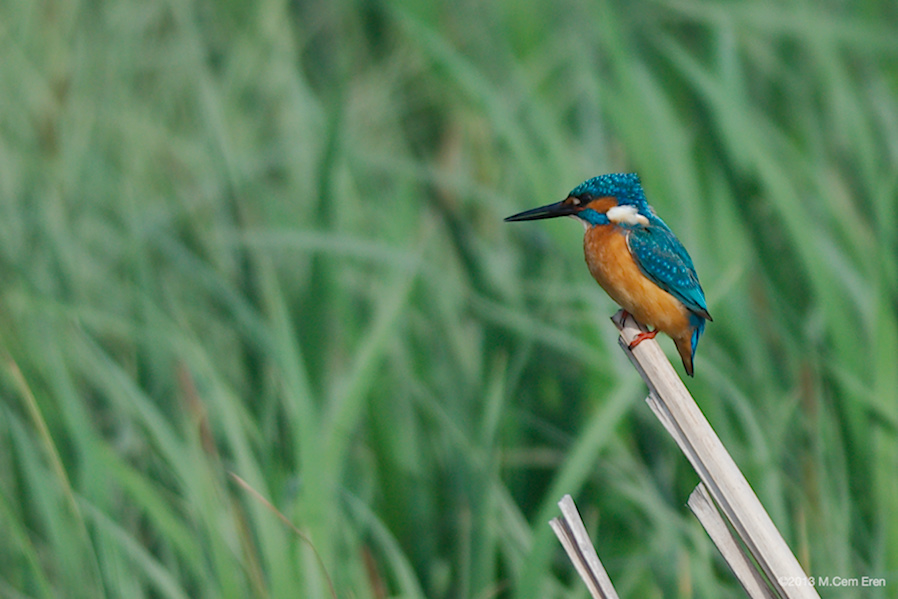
{"x": 265, "y": 238}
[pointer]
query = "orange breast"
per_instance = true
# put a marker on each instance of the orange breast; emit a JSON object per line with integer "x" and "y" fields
{"x": 613, "y": 267}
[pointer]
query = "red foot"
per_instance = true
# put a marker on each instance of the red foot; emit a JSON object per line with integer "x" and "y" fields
{"x": 642, "y": 337}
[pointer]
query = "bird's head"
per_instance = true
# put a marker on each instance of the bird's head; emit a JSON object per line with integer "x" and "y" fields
{"x": 616, "y": 198}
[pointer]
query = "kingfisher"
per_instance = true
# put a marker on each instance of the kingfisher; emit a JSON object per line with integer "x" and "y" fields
{"x": 636, "y": 258}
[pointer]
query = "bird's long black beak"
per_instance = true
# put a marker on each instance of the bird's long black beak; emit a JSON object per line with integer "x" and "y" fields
{"x": 562, "y": 208}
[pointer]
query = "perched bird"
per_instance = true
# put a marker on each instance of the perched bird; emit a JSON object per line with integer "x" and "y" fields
{"x": 636, "y": 258}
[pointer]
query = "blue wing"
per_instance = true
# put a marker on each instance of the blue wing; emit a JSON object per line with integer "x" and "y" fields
{"x": 663, "y": 259}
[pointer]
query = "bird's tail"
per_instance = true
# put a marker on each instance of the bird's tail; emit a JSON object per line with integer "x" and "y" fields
{"x": 686, "y": 345}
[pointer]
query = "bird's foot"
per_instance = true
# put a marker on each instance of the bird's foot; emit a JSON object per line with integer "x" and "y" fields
{"x": 642, "y": 337}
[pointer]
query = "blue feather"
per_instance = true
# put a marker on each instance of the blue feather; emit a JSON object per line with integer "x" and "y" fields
{"x": 664, "y": 260}
{"x": 626, "y": 187}
{"x": 698, "y": 324}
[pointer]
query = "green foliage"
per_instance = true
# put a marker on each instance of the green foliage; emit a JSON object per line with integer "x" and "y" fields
{"x": 265, "y": 238}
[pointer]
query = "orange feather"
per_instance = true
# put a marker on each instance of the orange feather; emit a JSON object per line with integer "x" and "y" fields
{"x": 613, "y": 267}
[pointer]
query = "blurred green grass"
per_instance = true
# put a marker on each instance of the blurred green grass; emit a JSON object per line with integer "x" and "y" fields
{"x": 266, "y": 238}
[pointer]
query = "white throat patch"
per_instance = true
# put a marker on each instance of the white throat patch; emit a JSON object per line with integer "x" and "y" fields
{"x": 626, "y": 215}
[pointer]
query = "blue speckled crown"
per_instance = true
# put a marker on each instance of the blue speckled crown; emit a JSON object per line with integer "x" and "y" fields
{"x": 626, "y": 187}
